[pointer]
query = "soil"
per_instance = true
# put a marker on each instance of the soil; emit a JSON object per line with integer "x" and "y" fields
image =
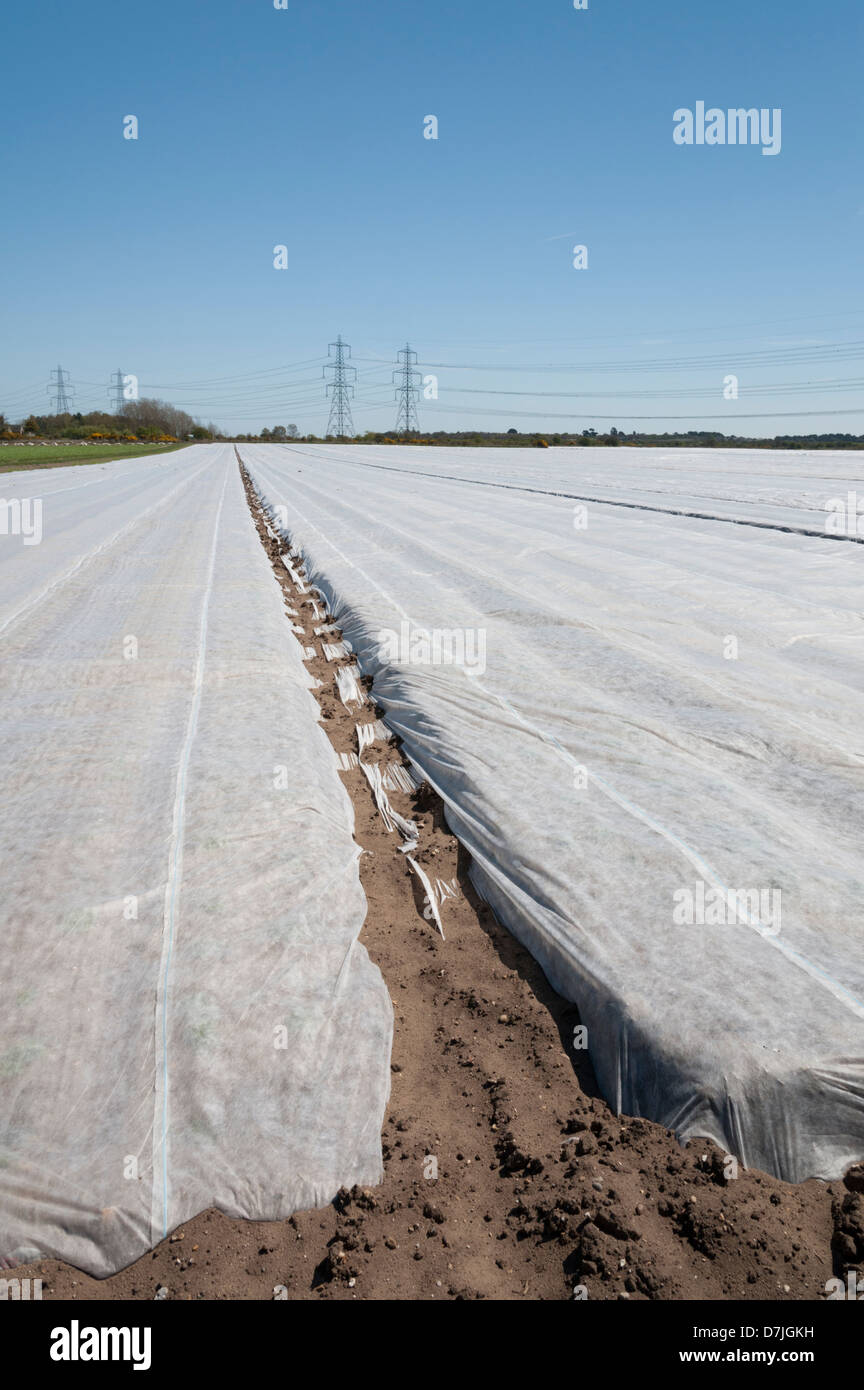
{"x": 507, "y": 1176}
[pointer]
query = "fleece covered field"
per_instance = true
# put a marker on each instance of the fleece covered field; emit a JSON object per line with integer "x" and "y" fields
{"x": 568, "y": 743}
{"x": 635, "y": 680}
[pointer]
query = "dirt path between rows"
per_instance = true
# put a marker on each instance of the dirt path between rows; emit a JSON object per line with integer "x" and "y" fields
{"x": 506, "y": 1175}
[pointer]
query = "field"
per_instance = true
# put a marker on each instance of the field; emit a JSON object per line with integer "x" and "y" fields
{"x": 507, "y": 806}
{"x": 16, "y": 456}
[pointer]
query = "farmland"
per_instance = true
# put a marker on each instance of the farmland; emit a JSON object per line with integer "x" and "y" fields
{"x": 17, "y": 456}
{"x": 558, "y": 754}
{"x": 666, "y": 705}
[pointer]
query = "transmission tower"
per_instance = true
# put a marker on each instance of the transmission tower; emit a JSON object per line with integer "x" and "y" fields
{"x": 340, "y": 389}
{"x": 405, "y": 377}
{"x": 60, "y": 391}
{"x": 115, "y": 391}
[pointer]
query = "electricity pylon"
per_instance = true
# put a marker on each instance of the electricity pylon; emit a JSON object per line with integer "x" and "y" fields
{"x": 340, "y": 390}
{"x": 60, "y": 391}
{"x": 115, "y": 390}
{"x": 405, "y": 376}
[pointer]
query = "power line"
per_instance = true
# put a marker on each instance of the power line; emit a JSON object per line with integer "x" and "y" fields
{"x": 404, "y": 376}
{"x": 660, "y": 333}
{"x": 732, "y": 360}
{"x": 794, "y": 388}
{"x": 340, "y": 390}
{"x": 246, "y": 376}
{"x": 595, "y": 414}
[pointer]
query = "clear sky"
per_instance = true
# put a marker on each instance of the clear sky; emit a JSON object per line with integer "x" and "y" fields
{"x": 304, "y": 127}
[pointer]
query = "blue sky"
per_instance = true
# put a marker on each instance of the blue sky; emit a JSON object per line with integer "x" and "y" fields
{"x": 304, "y": 127}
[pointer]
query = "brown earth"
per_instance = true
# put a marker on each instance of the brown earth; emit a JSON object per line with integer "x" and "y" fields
{"x": 540, "y": 1189}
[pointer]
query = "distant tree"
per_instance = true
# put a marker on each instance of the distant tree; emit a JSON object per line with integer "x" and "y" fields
{"x": 279, "y": 432}
{"x": 293, "y": 431}
{"x": 154, "y": 418}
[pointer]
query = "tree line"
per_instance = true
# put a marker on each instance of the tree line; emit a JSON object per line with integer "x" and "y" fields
{"x": 154, "y": 420}
{"x": 144, "y": 419}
